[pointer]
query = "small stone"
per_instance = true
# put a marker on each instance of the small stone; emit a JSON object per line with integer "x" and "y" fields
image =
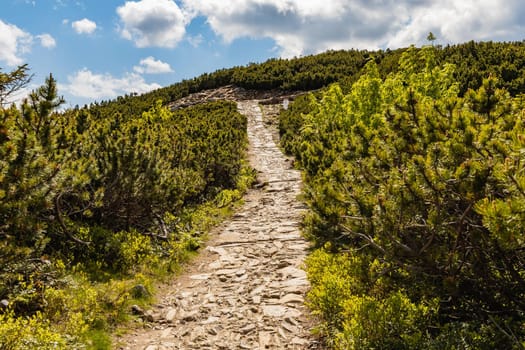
{"x": 281, "y": 333}
{"x": 283, "y": 264}
{"x": 170, "y": 315}
{"x": 291, "y": 298}
{"x": 280, "y": 311}
{"x": 291, "y": 321}
{"x": 215, "y": 265}
{"x": 290, "y": 328}
{"x": 211, "y": 319}
{"x": 217, "y": 250}
{"x": 200, "y": 277}
{"x": 271, "y": 294}
{"x": 278, "y": 244}
{"x": 294, "y": 282}
{"x": 223, "y": 278}
{"x": 226, "y": 271}
{"x": 136, "y": 310}
{"x": 298, "y": 247}
{"x": 248, "y": 328}
{"x": 168, "y": 345}
{"x": 257, "y": 290}
{"x": 243, "y": 345}
{"x": 184, "y": 295}
{"x": 299, "y": 341}
{"x": 241, "y": 278}
{"x": 270, "y": 251}
{"x": 189, "y": 317}
{"x": 140, "y": 292}
{"x": 149, "y": 316}
{"x": 265, "y": 339}
{"x": 293, "y": 272}
{"x": 166, "y": 333}
{"x": 274, "y": 310}
{"x": 183, "y": 332}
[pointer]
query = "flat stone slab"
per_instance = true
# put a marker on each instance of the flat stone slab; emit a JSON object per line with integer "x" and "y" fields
{"x": 280, "y": 311}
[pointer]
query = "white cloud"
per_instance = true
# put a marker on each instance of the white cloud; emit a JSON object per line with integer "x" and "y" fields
{"x": 460, "y": 21}
{"x": 87, "y": 84}
{"x": 14, "y": 42}
{"x": 19, "y": 96}
{"x": 59, "y": 4}
{"x": 84, "y": 26}
{"x": 150, "y": 65}
{"x": 195, "y": 41}
{"x": 308, "y": 26}
{"x": 47, "y": 41}
{"x": 149, "y": 23}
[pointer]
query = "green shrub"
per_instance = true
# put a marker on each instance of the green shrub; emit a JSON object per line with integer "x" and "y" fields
{"x": 333, "y": 280}
{"x": 388, "y": 322}
{"x": 427, "y": 188}
{"x": 27, "y": 333}
{"x": 357, "y": 316}
{"x": 88, "y": 200}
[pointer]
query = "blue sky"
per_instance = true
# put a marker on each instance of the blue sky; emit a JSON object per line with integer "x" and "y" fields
{"x": 99, "y": 49}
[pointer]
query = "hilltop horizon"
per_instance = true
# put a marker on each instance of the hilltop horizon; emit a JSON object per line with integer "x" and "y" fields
{"x": 100, "y": 50}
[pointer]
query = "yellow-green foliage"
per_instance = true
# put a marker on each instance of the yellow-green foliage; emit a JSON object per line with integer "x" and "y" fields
{"x": 71, "y": 314}
{"x": 135, "y": 249}
{"x": 78, "y": 297}
{"x": 88, "y": 201}
{"x": 246, "y": 178}
{"x": 333, "y": 279}
{"x": 29, "y": 333}
{"x": 423, "y": 190}
{"x": 226, "y": 197}
{"x": 391, "y": 322}
{"x": 357, "y": 317}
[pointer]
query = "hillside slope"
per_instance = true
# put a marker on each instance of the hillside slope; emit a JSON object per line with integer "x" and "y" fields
{"x": 97, "y": 201}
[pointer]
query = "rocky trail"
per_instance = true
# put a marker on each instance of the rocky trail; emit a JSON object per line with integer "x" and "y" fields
{"x": 246, "y": 289}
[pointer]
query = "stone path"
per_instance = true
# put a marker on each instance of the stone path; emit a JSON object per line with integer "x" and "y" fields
{"x": 246, "y": 290}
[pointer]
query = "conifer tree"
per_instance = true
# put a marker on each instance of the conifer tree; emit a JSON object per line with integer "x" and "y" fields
{"x": 13, "y": 82}
{"x": 422, "y": 191}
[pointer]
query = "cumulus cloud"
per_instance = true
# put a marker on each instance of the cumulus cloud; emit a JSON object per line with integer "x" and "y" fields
{"x": 14, "y": 43}
{"x": 302, "y": 26}
{"x": 454, "y": 22}
{"x": 150, "y": 65}
{"x": 47, "y": 41}
{"x": 308, "y": 26}
{"x": 84, "y": 26}
{"x": 87, "y": 84}
{"x": 148, "y": 23}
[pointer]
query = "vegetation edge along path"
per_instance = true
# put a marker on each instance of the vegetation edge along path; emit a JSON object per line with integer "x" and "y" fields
{"x": 246, "y": 290}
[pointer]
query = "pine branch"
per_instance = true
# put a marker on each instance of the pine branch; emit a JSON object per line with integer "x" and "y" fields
{"x": 60, "y": 219}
